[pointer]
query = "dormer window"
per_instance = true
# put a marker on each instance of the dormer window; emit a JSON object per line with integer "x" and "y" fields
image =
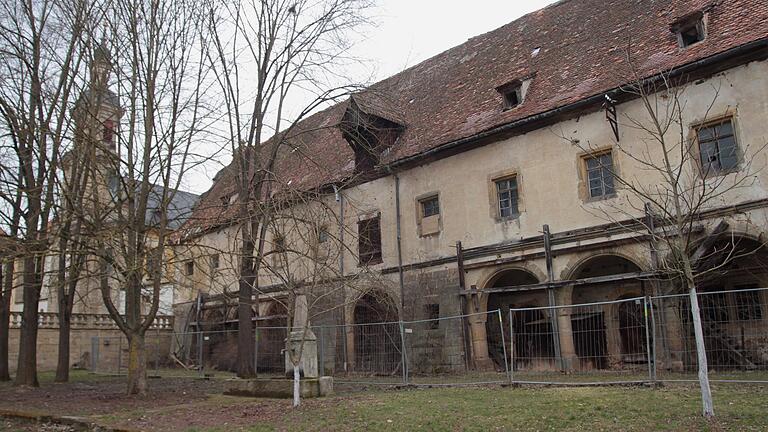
{"x": 514, "y": 92}
{"x": 690, "y": 30}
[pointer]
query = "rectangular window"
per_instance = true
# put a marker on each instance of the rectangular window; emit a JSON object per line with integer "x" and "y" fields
{"x": 506, "y": 192}
{"x": 189, "y": 268}
{"x": 717, "y": 147}
{"x": 430, "y": 207}
{"x": 214, "y": 261}
{"x": 369, "y": 241}
{"x": 108, "y": 132}
{"x": 690, "y": 30}
{"x": 600, "y": 180}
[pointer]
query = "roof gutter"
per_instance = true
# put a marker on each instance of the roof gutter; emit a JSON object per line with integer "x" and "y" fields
{"x": 750, "y": 49}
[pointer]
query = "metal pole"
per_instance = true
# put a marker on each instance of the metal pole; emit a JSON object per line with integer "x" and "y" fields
{"x": 344, "y": 345}
{"x": 119, "y": 354}
{"x": 654, "y": 339}
{"x": 200, "y": 353}
{"x": 403, "y": 357}
{"x": 321, "y": 353}
{"x": 647, "y": 339}
{"x": 256, "y": 349}
{"x": 511, "y": 348}
{"x": 504, "y": 346}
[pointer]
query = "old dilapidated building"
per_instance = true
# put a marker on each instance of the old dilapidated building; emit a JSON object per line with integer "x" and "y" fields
{"x": 502, "y": 174}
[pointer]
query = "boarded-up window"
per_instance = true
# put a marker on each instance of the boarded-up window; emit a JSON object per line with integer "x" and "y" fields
{"x": 369, "y": 241}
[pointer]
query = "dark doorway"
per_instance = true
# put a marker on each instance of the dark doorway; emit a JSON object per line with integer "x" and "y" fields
{"x": 589, "y": 339}
{"x": 377, "y": 335}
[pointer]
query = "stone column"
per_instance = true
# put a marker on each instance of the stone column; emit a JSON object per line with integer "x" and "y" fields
{"x": 673, "y": 334}
{"x": 478, "y": 335}
{"x": 564, "y": 296}
{"x": 613, "y": 335}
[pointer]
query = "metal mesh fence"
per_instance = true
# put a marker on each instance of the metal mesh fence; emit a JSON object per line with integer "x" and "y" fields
{"x": 735, "y": 329}
{"x": 596, "y": 342}
{"x": 624, "y": 341}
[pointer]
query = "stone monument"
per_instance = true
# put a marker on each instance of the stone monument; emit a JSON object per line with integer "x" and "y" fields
{"x": 302, "y": 343}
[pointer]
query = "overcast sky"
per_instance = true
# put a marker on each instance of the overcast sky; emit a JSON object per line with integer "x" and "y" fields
{"x": 408, "y": 32}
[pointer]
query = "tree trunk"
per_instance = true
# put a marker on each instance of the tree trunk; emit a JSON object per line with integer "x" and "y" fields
{"x": 62, "y": 365}
{"x": 706, "y": 391}
{"x": 245, "y": 339}
{"x": 296, "y": 385}
{"x": 137, "y": 365}
{"x": 26, "y": 371}
{"x": 5, "y": 314}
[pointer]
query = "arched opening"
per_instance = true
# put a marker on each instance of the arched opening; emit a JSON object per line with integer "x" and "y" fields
{"x": 733, "y": 304}
{"x": 613, "y": 334}
{"x": 377, "y": 335}
{"x": 272, "y": 331}
{"x": 532, "y": 339}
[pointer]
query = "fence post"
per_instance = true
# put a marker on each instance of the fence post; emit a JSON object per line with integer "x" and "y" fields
{"x": 647, "y": 338}
{"x": 95, "y": 353}
{"x": 654, "y": 336}
{"x": 255, "y": 348}
{"x": 321, "y": 352}
{"x": 504, "y": 346}
{"x": 200, "y": 353}
{"x": 403, "y": 357}
{"x": 119, "y": 354}
{"x": 511, "y": 349}
{"x": 344, "y": 346}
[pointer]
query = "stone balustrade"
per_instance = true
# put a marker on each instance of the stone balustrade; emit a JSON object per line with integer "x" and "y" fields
{"x": 48, "y": 320}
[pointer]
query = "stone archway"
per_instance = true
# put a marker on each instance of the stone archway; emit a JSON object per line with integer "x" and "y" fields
{"x": 604, "y": 336}
{"x": 377, "y": 341}
{"x": 528, "y": 344}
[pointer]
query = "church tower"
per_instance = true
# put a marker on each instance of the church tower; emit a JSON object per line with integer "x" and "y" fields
{"x": 97, "y": 115}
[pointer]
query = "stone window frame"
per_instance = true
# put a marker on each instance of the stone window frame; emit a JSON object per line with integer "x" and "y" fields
{"x": 583, "y": 186}
{"x": 189, "y": 267}
{"x": 493, "y": 198}
{"x": 420, "y": 214}
{"x": 695, "y": 148}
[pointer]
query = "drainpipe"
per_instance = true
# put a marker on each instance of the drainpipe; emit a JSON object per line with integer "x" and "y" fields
{"x": 340, "y": 200}
{"x": 399, "y": 244}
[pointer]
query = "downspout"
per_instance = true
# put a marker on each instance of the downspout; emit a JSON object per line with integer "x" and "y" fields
{"x": 340, "y": 199}
{"x": 399, "y": 244}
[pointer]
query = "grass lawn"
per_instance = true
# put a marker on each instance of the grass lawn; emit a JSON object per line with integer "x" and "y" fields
{"x": 473, "y": 409}
{"x": 198, "y": 405}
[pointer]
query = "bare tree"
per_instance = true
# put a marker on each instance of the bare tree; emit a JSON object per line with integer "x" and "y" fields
{"x": 40, "y": 45}
{"x": 160, "y": 80}
{"x": 670, "y": 181}
{"x": 291, "y": 47}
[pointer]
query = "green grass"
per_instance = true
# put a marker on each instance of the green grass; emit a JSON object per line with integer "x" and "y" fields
{"x": 542, "y": 409}
{"x": 672, "y": 408}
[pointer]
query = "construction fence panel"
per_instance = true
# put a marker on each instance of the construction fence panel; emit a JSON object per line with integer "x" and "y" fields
{"x": 735, "y": 327}
{"x": 602, "y": 342}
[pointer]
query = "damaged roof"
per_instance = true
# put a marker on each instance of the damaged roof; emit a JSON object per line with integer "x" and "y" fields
{"x": 571, "y": 50}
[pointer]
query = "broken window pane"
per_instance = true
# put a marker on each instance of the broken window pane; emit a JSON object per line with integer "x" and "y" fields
{"x": 430, "y": 207}
{"x": 717, "y": 148}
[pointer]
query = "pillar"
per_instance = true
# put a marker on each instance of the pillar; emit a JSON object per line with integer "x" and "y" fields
{"x": 564, "y": 296}
{"x": 613, "y": 335}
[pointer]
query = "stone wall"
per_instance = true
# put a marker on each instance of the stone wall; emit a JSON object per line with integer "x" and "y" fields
{"x": 95, "y": 342}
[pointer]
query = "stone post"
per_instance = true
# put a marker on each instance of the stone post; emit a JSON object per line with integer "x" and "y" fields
{"x": 613, "y": 335}
{"x": 302, "y": 342}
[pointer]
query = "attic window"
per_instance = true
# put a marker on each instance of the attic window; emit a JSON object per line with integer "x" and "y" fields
{"x": 690, "y": 30}
{"x": 514, "y": 92}
{"x": 513, "y": 96}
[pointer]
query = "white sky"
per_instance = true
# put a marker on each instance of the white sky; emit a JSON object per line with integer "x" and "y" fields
{"x": 407, "y": 32}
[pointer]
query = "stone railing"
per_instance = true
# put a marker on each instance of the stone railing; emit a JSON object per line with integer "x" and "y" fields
{"x": 48, "y": 320}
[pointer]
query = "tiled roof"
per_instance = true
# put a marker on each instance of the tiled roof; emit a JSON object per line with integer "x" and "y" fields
{"x": 573, "y": 49}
